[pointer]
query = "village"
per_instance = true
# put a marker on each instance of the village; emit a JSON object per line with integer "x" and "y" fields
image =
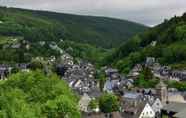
{"x": 135, "y": 102}
{"x": 92, "y": 59}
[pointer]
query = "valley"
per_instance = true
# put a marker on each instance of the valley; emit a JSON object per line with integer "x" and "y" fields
{"x": 56, "y": 65}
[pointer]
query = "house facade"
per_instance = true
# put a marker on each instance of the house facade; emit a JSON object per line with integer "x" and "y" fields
{"x": 147, "y": 112}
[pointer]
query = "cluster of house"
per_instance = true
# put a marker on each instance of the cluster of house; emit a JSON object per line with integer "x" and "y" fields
{"x": 165, "y": 72}
{"x": 135, "y": 71}
{"x": 149, "y": 103}
{"x": 139, "y": 103}
{"x": 6, "y": 69}
{"x": 115, "y": 81}
{"x": 79, "y": 76}
{"x": 142, "y": 103}
{"x": 162, "y": 72}
{"x": 135, "y": 102}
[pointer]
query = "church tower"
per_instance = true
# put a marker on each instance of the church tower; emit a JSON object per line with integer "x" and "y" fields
{"x": 161, "y": 91}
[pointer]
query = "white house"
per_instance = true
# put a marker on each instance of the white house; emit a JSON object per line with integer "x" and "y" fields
{"x": 147, "y": 112}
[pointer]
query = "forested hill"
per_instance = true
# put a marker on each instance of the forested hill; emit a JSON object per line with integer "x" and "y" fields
{"x": 44, "y": 25}
{"x": 166, "y": 42}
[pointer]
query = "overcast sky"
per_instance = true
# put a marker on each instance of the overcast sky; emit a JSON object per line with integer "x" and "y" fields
{"x": 149, "y": 12}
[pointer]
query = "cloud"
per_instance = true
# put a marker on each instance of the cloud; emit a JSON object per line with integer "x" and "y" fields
{"x": 149, "y": 12}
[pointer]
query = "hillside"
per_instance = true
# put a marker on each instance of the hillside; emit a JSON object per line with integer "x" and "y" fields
{"x": 27, "y": 33}
{"x": 166, "y": 42}
{"x": 98, "y": 31}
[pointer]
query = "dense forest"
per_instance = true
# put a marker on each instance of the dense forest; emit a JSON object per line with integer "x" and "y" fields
{"x": 47, "y": 26}
{"x": 98, "y": 31}
{"x": 166, "y": 42}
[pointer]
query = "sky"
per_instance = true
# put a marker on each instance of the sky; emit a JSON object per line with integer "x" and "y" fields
{"x": 148, "y": 12}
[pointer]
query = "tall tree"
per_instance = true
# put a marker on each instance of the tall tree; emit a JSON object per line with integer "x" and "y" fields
{"x": 108, "y": 103}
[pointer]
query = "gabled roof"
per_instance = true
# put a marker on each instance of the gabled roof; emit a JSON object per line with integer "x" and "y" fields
{"x": 147, "y": 109}
{"x": 157, "y": 105}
